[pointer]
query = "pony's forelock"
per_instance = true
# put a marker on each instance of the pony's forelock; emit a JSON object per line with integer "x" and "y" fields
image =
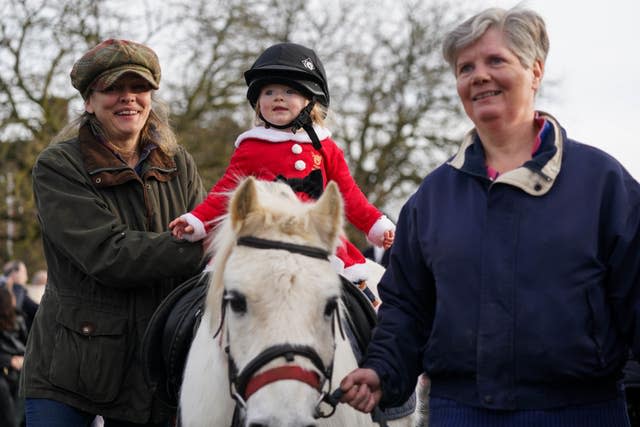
{"x": 280, "y": 216}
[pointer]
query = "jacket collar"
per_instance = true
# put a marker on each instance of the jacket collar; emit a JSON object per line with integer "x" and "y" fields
{"x": 276, "y": 135}
{"x": 535, "y": 177}
{"x": 106, "y": 170}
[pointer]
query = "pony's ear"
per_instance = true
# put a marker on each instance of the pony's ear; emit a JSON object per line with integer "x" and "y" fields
{"x": 327, "y": 215}
{"x": 243, "y": 202}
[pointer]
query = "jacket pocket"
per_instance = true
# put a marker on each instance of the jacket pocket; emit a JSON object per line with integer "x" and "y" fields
{"x": 89, "y": 353}
{"x": 596, "y": 323}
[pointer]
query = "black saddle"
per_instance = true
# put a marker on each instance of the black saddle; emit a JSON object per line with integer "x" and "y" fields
{"x": 168, "y": 337}
{"x": 172, "y": 327}
{"x": 362, "y": 316}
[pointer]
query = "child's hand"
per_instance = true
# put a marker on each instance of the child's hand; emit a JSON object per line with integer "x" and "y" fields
{"x": 179, "y": 227}
{"x": 16, "y": 362}
{"x": 388, "y": 237}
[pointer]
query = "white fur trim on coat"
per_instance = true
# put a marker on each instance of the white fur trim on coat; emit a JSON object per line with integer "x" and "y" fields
{"x": 199, "y": 231}
{"x": 277, "y": 135}
{"x": 376, "y": 232}
{"x": 356, "y": 273}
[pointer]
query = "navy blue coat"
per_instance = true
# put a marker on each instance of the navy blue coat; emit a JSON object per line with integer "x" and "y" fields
{"x": 518, "y": 293}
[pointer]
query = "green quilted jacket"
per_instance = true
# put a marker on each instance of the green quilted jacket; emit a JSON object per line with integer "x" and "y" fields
{"x": 111, "y": 261}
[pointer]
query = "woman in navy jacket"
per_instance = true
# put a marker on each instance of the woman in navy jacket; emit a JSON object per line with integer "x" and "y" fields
{"x": 513, "y": 281}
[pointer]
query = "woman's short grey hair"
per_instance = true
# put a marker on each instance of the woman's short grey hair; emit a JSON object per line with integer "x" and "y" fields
{"x": 525, "y": 33}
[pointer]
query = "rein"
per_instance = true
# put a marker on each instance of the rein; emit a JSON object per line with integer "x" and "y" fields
{"x": 243, "y": 384}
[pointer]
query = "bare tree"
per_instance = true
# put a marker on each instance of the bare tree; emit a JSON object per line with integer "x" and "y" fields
{"x": 393, "y": 101}
{"x": 31, "y": 69}
{"x": 39, "y": 41}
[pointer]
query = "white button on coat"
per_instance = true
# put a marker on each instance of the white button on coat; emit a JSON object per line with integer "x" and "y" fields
{"x": 300, "y": 165}
{"x": 296, "y": 149}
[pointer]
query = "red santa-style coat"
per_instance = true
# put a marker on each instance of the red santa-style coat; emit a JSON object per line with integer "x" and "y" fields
{"x": 271, "y": 154}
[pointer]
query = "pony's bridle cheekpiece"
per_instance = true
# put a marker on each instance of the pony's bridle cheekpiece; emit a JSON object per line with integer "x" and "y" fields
{"x": 245, "y": 383}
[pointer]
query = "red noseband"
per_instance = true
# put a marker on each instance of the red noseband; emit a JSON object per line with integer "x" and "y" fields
{"x": 288, "y": 372}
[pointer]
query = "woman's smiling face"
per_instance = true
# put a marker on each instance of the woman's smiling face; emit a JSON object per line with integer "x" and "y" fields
{"x": 493, "y": 84}
{"x": 123, "y": 108}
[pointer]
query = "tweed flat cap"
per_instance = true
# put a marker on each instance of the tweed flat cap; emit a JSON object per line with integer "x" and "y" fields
{"x": 104, "y": 64}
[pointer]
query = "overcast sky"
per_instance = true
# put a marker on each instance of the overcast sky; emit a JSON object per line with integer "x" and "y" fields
{"x": 595, "y": 60}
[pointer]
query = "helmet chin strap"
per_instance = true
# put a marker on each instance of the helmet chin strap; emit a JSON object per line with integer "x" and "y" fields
{"x": 302, "y": 121}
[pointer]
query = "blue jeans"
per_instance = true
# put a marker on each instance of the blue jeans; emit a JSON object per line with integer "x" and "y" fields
{"x": 51, "y": 413}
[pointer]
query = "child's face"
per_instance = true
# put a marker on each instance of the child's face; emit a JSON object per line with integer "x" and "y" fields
{"x": 280, "y": 104}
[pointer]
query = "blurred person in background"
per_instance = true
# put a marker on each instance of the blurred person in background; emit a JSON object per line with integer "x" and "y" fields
{"x": 35, "y": 289}
{"x": 16, "y": 276}
{"x": 13, "y": 338}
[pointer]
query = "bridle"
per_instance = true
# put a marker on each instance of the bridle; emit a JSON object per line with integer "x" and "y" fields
{"x": 244, "y": 383}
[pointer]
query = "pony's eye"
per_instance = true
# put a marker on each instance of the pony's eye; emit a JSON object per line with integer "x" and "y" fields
{"x": 236, "y": 301}
{"x": 330, "y": 307}
{"x": 239, "y": 305}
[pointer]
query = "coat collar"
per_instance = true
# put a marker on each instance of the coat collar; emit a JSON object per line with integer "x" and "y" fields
{"x": 535, "y": 177}
{"x": 106, "y": 170}
{"x": 276, "y": 135}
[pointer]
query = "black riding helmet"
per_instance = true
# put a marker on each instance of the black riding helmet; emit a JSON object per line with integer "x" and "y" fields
{"x": 290, "y": 64}
{"x": 298, "y": 67}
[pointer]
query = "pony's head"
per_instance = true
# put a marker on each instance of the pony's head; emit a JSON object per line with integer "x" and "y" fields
{"x": 279, "y": 297}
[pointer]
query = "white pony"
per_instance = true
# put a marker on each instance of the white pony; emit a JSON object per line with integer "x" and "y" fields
{"x": 270, "y": 332}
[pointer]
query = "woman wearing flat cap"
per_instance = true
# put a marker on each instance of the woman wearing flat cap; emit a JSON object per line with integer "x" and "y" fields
{"x": 105, "y": 190}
